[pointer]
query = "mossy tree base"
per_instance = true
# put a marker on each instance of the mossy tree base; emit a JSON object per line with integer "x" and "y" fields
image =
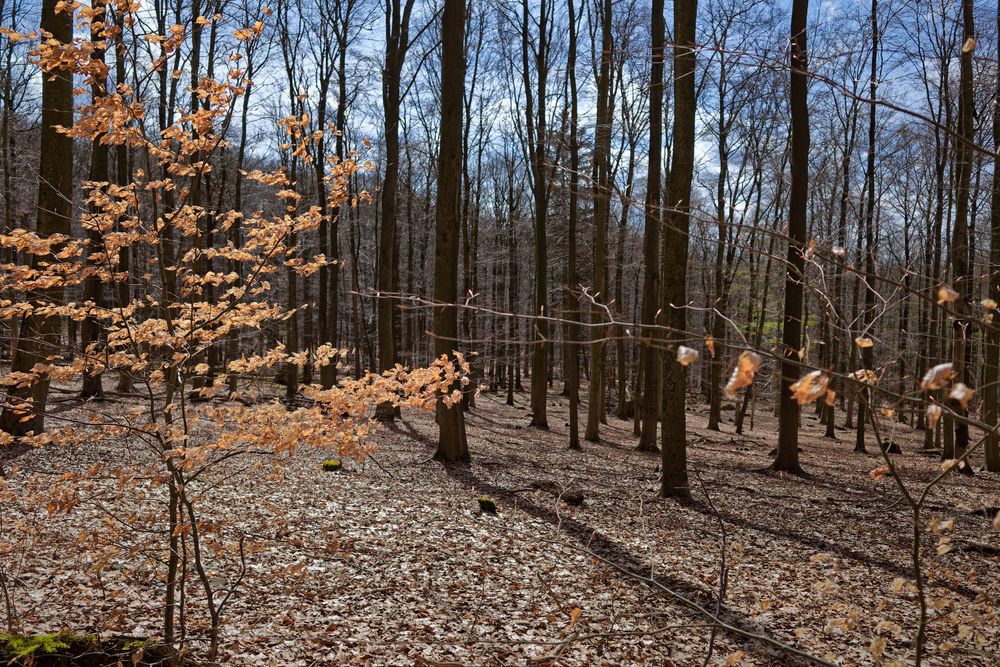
{"x": 81, "y": 650}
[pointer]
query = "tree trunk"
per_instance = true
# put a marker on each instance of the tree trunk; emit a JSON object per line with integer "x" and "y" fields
{"x": 39, "y": 334}
{"x": 961, "y": 268}
{"x": 452, "y": 444}
{"x": 602, "y": 211}
{"x": 652, "y": 337}
{"x": 867, "y": 353}
{"x": 397, "y": 23}
{"x": 674, "y": 481}
{"x": 536, "y": 135}
{"x": 991, "y": 372}
{"x": 787, "y": 458}
{"x": 93, "y": 288}
{"x": 572, "y": 295}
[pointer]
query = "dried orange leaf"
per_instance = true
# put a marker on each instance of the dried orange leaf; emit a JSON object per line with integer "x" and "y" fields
{"x": 961, "y": 394}
{"x": 933, "y": 415}
{"x": 686, "y": 355}
{"x": 937, "y": 377}
{"x": 946, "y": 294}
{"x": 880, "y": 472}
{"x": 810, "y": 387}
{"x": 865, "y": 375}
{"x": 746, "y": 367}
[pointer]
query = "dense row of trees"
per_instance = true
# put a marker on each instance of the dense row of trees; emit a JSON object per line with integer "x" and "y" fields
{"x": 569, "y": 193}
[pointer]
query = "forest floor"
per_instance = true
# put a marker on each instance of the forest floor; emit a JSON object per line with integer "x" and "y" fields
{"x": 390, "y": 562}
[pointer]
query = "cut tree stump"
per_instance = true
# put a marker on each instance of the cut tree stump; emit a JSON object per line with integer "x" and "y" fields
{"x": 891, "y": 447}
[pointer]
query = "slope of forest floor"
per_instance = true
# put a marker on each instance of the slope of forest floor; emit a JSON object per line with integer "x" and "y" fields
{"x": 390, "y": 562}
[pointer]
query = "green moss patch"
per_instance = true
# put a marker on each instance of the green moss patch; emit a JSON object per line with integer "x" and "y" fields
{"x": 22, "y": 645}
{"x": 80, "y": 650}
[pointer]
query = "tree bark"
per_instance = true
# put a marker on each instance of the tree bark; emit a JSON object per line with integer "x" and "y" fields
{"x": 39, "y": 334}
{"x": 602, "y": 212}
{"x": 674, "y": 482}
{"x": 452, "y": 444}
{"x": 652, "y": 337}
{"x": 787, "y": 458}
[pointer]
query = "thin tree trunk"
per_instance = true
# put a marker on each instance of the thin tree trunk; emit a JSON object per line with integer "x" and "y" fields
{"x": 602, "y": 211}
{"x": 652, "y": 337}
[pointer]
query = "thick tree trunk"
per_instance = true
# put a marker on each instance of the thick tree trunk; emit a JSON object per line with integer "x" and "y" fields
{"x": 787, "y": 458}
{"x": 39, "y": 334}
{"x": 674, "y": 481}
{"x": 452, "y": 444}
{"x": 535, "y": 101}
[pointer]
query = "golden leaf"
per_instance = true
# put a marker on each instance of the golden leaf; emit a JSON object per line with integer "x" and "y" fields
{"x": 946, "y": 294}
